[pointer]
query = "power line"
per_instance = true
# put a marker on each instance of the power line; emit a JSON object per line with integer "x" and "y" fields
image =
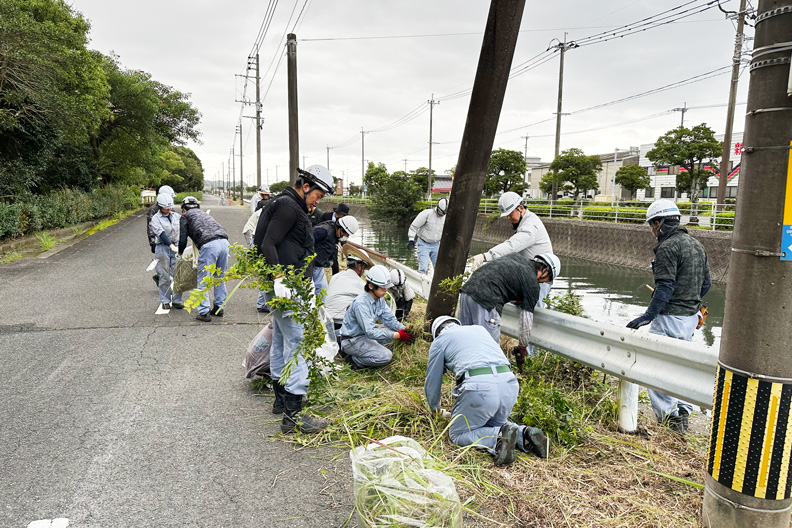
{"x": 300, "y": 15}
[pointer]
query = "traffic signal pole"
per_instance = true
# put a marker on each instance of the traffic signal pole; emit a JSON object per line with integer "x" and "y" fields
{"x": 486, "y": 101}
{"x": 748, "y": 478}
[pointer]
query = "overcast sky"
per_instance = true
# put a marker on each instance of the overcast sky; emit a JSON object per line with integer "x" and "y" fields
{"x": 199, "y": 46}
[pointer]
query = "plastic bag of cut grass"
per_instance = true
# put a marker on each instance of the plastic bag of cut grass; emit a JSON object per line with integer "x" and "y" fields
{"x": 185, "y": 274}
{"x": 393, "y": 487}
{"x": 257, "y": 358}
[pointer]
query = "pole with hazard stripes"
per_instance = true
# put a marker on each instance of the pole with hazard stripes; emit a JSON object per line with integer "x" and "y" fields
{"x": 749, "y": 479}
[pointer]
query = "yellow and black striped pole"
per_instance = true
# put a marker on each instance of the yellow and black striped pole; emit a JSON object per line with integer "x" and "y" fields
{"x": 749, "y": 475}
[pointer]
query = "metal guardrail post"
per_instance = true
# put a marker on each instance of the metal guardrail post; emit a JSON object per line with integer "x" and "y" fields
{"x": 616, "y": 218}
{"x": 628, "y": 406}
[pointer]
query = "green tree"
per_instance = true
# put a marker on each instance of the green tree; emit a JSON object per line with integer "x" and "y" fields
{"x": 577, "y": 170}
{"x": 354, "y": 190}
{"x": 546, "y": 183}
{"x": 374, "y": 177}
{"x": 689, "y": 148}
{"x": 420, "y": 177}
{"x": 506, "y": 169}
{"x": 279, "y": 187}
{"x": 632, "y": 178}
{"x": 396, "y": 200}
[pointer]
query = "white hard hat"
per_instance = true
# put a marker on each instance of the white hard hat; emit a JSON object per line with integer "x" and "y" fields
{"x": 442, "y": 205}
{"x": 167, "y": 189}
{"x": 398, "y": 277}
{"x": 508, "y": 202}
{"x": 441, "y": 323}
{"x": 353, "y": 259}
{"x": 264, "y": 188}
{"x": 379, "y": 276}
{"x": 348, "y": 224}
{"x": 661, "y": 209}
{"x": 552, "y": 262}
{"x": 320, "y": 177}
{"x": 165, "y": 200}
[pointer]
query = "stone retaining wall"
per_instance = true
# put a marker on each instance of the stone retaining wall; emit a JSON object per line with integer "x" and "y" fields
{"x": 619, "y": 244}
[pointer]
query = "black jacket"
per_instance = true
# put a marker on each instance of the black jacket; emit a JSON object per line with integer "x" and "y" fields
{"x": 325, "y": 243}
{"x": 284, "y": 234}
{"x": 152, "y": 238}
{"x": 507, "y": 279}
{"x": 200, "y": 227}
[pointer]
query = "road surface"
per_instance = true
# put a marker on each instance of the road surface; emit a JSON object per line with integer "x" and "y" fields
{"x": 113, "y": 416}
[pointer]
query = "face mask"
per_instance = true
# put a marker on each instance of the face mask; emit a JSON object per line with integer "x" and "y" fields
{"x": 343, "y": 239}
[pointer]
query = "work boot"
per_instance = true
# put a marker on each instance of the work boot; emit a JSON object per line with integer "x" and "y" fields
{"x": 156, "y": 279}
{"x": 178, "y": 306}
{"x": 165, "y": 306}
{"x": 504, "y": 447}
{"x": 536, "y": 442}
{"x": 294, "y": 418}
{"x": 678, "y": 424}
{"x": 263, "y": 309}
{"x": 278, "y": 406}
{"x": 217, "y": 311}
{"x": 204, "y": 318}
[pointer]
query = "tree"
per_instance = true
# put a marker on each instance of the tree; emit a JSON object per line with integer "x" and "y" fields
{"x": 396, "y": 200}
{"x": 632, "y": 178}
{"x": 374, "y": 177}
{"x": 354, "y": 189}
{"x": 546, "y": 183}
{"x": 577, "y": 170}
{"x": 690, "y": 149}
{"x": 279, "y": 187}
{"x": 419, "y": 177}
{"x": 506, "y": 169}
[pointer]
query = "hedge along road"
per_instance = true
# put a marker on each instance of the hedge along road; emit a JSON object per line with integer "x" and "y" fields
{"x": 114, "y": 416}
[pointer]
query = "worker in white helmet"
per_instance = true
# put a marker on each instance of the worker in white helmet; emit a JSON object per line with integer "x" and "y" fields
{"x": 402, "y": 294}
{"x": 327, "y": 235}
{"x": 428, "y": 227}
{"x": 165, "y": 227}
{"x": 261, "y": 194}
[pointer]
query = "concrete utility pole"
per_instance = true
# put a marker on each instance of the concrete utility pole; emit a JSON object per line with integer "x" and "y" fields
{"x": 748, "y": 468}
{"x": 486, "y": 101}
{"x": 328, "y": 156}
{"x": 294, "y": 134}
{"x": 727, "y": 136}
{"x": 232, "y": 172}
{"x": 562, "y": 47}
{"x": 362, "y": 156}
{"x": 431, "y": 102}
{"x": 258, "y": 124}
{"x": 241, "y": 178}
{"x": 682, "y": 109}
{"x": 525, "y": 157}
{"x": 613, "y": 188}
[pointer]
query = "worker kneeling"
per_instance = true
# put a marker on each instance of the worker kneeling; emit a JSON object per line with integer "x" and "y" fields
{"x": 362, "y": 342}
{"x": 485, "y": 392}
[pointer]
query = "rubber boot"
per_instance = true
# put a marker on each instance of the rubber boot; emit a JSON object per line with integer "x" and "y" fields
{"x": 504, "y": 447}
{"x": 278, "y": 406}
{"x": 536, "y": 442}
{"x": 294, "y": 418}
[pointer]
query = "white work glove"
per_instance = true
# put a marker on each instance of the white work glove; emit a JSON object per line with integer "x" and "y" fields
{"x": 281, "y": 290}
{"x": 445, "y": 414}
{"x": 174, "y": 248}
{"x": 477, "y": 261}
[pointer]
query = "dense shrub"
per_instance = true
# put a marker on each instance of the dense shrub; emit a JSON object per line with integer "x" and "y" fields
{"x": 724, "y": 221}
{"x": 181, "y": 196}
{"x": 62, "y": 208}
{"x": 626, "y": 215}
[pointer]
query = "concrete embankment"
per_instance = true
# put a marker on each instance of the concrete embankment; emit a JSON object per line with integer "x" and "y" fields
{"x": 619, "y": 244}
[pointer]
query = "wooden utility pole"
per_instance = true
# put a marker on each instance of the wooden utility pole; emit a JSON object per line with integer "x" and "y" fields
{"x": 431, "y": 102}
{"x": 748, "y": 478}
{"x": 727, "y": 135}
{"x": 294, "y": 134}
{"x": 486, "y": 101}
{"x": 258, "y": 125}
{"x": 241, "y": 178}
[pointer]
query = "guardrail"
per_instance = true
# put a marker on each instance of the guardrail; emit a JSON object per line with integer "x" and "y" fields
{"x": 680, "y": 368}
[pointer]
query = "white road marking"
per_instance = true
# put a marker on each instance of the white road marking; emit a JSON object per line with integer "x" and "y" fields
{"x": 60, "y": 522}
{"x": 161, "y": 310}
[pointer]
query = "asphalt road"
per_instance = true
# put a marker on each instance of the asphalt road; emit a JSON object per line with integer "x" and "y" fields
{"x": 112, "y": 416}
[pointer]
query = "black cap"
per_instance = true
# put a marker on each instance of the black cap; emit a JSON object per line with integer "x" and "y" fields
{"x": 342, "y": 208}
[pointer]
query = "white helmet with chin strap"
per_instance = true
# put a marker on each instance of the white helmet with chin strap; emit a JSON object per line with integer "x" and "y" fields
{"x": 379, "y": 276}
{"x": 398, "y": 277}
{"x": 508, "y": 202}
{"x": 443, "y": 322}
{"x": 164, "y": 200}
{"x": 442, "y": 205}
{"x": 319, "y": 177}
{"x": 349, "y": 224}
{"x": 167, "y": 189}
{"x": 264, "y": 188}
{"x": 660, "y": 209}
{"x": 552, "y": 262}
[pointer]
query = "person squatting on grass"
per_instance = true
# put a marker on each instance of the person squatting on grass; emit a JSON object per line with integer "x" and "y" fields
{"x": 485, "y": 393}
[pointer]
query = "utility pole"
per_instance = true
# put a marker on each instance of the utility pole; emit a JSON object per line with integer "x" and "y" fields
{"x": 222, "y": 171}
{"x": 362, "y": 156}
{"x": 258, "y": 124}
{"x": 486, "y": 101}
{"x": 405, "y": 164}
{"x": 682, "y": 109}
{"x": 613, "y": 187}
{"x": 525, "y": 157}
{"x": 294, "y": 135}
{"x": 328, "y": 156}
{"x": 431, "y": 102}
{"x": 727, "y": 136}
{"x": 241, "y": 178}
{"x": 276, "y": 173}
{"x": 748, "y": 468}
{"x": 232, "y": 172}
{"x": 562, "y": 47}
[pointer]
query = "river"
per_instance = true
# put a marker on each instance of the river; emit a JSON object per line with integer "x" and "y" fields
{"x": 608, "y": 293}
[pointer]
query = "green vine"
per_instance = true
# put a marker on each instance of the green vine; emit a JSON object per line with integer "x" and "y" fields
{"x": 452, "y": 285}
{"x": 252, "y": 272}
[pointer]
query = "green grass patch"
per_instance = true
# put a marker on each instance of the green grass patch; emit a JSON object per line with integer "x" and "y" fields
{"x": 12, "y": 256}
{"x": 46, "y": 241}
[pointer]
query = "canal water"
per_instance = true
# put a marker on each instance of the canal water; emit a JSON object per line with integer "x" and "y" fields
{"x": 608, "y": 293}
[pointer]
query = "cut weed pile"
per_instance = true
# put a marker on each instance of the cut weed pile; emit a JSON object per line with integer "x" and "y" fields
{"x": 594, "y": 477}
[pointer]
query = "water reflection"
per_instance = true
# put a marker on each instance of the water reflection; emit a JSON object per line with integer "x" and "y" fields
{"x": 608, "y": 293}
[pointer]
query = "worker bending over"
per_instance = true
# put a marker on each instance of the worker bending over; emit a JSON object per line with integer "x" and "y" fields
{"x": 486, "y": 390}
{"x": 361, "y": 340}
{"x": 165, "y": 227}
{"x": 327, "y": 235}
{"x": 344, "y": 288}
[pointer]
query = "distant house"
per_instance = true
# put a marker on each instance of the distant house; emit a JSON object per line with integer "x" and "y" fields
{"x": 442, "y": 183}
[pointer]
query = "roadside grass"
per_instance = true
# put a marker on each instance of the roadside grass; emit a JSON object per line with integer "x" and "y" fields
{"x": 12, "y": 256}
{"x": 104, "y": 224}
{"x": 595, "y": 476}
{"x": 46, "y": 241}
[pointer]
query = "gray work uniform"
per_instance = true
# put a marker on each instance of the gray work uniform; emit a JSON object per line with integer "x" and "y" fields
{"x": 343, "y": 289}
{"x": 428, "y": 225}
{"x": 482, "y": 402}
{"x": 361, "y": 339}
{"x": 166, "y": 259}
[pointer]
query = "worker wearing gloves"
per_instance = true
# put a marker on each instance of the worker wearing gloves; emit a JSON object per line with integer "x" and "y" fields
{"x": 530, "y": 237}
{"x": 344, "y": 288}
{"x": 165, "y": 227}
{"x": 262, "y": 194}
{"x": 211, "y": 241}
{"x": 361, "y": 340}
{"x": 486, "y": 390}
{"x": 682, "y": 278}
{"x": 284, "y": 236}
{"x": 512, "y": 278}
{"x": 402, "y": 293}
{"x": 327, "y": 235}
{"x": 428, "y": 225}
{"x": 150, "y": 212}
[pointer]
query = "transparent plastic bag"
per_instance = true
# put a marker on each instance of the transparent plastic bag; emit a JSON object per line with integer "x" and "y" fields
{"x": 185, "y": 273}
{"x": 329, "y": 348}
{"x": 393, "y": 487}
{"x": 257, "y": 358}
